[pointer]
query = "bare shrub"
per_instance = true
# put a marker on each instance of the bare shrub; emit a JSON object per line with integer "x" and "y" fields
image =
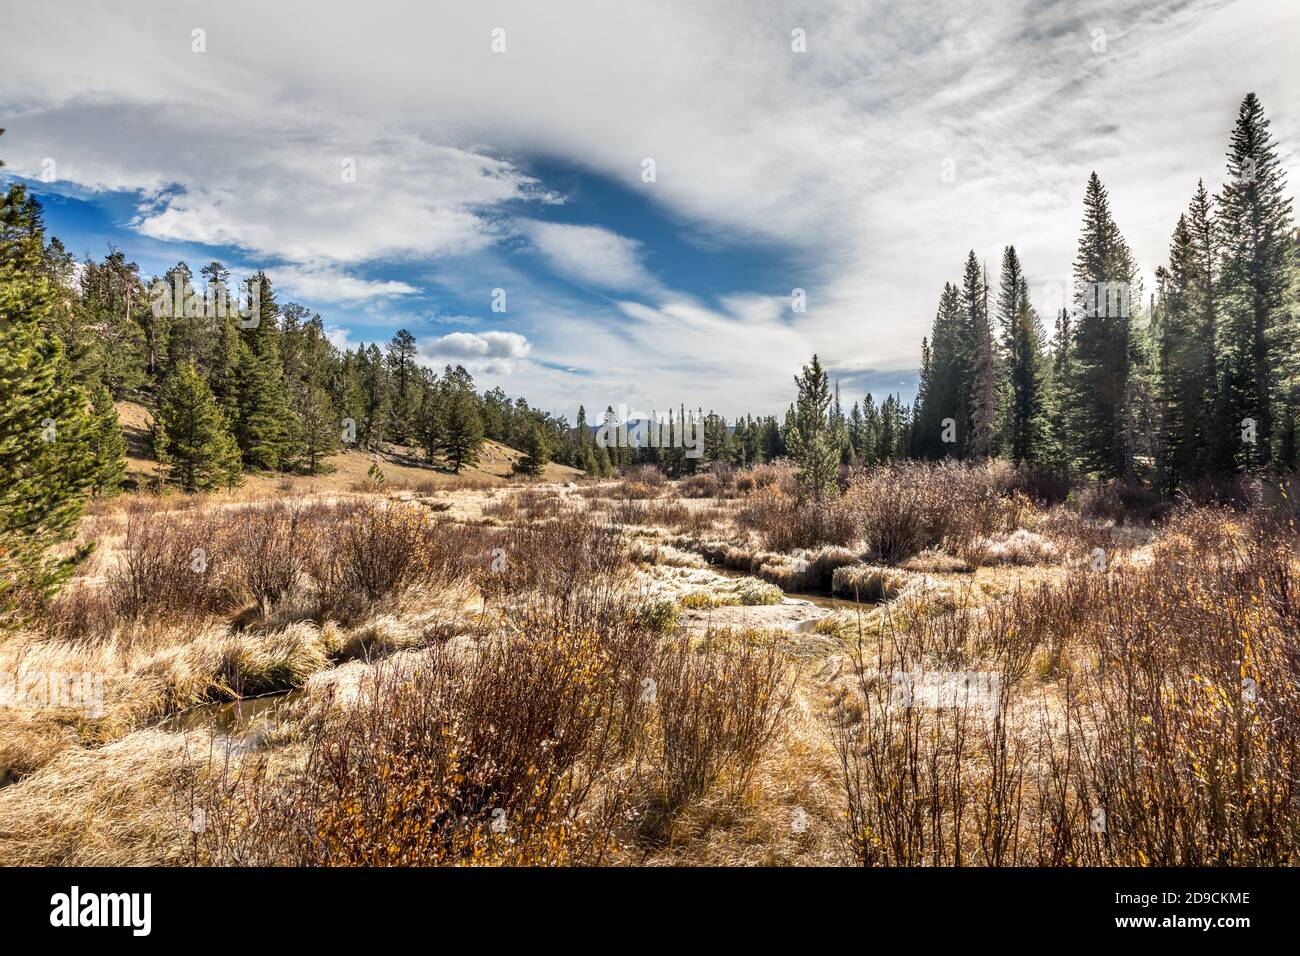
{"x": 264, "y": 554}
{"x": 360, "y": 552}
{"x": 80, "y": 612}
{"x": 556, "y": 558}
{"x": 903, "y": 508}
{"x": 170, "y": 565}
{"x": 718, "y": 712}
{"x": 784, "y": 522}
{"x": 494, "y": 755}
{"x": 867, "y": 583}
{"x": 1019, "y": 547}
{"x": 651, "y": 476}
{"x": 777, "y": 474}
{"x": 1168, "y": 744}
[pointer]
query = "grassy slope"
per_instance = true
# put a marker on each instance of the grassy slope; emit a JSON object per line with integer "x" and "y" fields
{"x": 402, "y": 467}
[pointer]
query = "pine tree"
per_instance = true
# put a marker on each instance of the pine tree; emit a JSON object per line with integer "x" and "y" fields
{"x": 537, "y": 452}
{"x": 319, "y": 427}
{"x": 924, "y": 435}
{"x": 812, "y": 441}
{"x": 46, "y": 470}
{"x": 428, "y": 421}
{"x": 107, "y": 445}
{"x": 1255, "y": 221}
{"x": 857, "y": 431}
{"x": 310, "y": 368}
{"x": 1203, "y": 304}
{"x": 871, "y": 425}
{"x": 262, "y": 427}
{"x": 462, "y": 430}
{"x": 1099, "y": 389}
{"x": 1288, "y": 441}
{"x": 110, "y": 342}
{"x": 402, "y": 373}
{"x": 1027, "y": 386}
{"x": 195, "y": 446}
{"x": 889, "y": 434}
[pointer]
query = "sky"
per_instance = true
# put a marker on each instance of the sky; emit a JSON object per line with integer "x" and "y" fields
{"x": 647, "y": 183}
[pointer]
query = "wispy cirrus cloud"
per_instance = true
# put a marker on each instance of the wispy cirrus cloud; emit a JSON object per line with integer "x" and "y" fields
{"x": 861, "y": 170}
{"x": 591, "y": 255}
{"x": 323, "y": 284}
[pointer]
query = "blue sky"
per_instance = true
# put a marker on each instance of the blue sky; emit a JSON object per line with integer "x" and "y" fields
{"x": 860, "y": 169}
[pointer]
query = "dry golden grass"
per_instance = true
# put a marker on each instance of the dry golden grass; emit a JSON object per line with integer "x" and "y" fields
{"x": 403, "y": 467}
{"x": 721, "y": 768}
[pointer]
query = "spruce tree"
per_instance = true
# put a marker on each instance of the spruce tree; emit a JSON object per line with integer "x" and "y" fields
{"x": 870, "y": 430}
{"x": 110, "y": 340}
{"x": 857, "y": 431}
{"x": 1027, "y": 387}
{"x": 1254, "y": 217}
{"x": 107, "y": 444}
{"x": 812, "y": 440}
{"x": 46, "y": 469}
{"x": 947, "y": 399}
{"x": 1105, "y": 289}
{"x": 1184, "y": 363}
{"x": 263, "y": 426}
{"x": 319, "y": 428}
{"x": 1288, "y": 441}
{"x": 195, "y": 446}
{"x": 1024, "y": 383}
{"x": 1203, "y": 305}
{"x": 981, "y": 373}
{"x": 402, "y": 374}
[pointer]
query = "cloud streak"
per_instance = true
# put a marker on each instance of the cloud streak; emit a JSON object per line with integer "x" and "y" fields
{"x": 903, "y": 137}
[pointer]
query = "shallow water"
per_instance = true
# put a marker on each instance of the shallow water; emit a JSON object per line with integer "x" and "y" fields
{"x": 820, "y": 600}
{"x": 236, "y": 718}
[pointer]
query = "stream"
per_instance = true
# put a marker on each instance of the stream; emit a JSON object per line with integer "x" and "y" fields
{"x": 820, "y": 600}
{"x": 240, "y": 720}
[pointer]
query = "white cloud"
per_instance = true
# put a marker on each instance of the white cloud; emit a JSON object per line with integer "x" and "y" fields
{"x": 835, "y": 155}
{"x": 330, "y": 285}
{"x": 590, "y": 255}
{"x": 495, "y": 352}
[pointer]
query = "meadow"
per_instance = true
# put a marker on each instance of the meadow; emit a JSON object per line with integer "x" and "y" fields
{"x": 942, "y": 664}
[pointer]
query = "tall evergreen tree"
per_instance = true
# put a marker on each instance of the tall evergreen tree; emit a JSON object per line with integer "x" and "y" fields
{"x": 107, "y": 444}
{"x": 1024, "y": 385}
{"x": 946, "y": 394}
{"x": 1184, "y": 363}
{"x": 981, "y": 373}
{"x": 537, "y": 452}
{"x": 263, "y": 427}
{"x": 46, "y": 470}
{"x": 1203, "y": 305}
{"x": 1027, "y": 427}
{"x": 462, "y": 433}
{"x": 195, "y": 446}
{"x": 813, "y": 443}
{"x": 1254, "y": 217}
{"x": 1105, "y": 290}
{"x": 110, "y": 342}
{"x": 402, "y": 373}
